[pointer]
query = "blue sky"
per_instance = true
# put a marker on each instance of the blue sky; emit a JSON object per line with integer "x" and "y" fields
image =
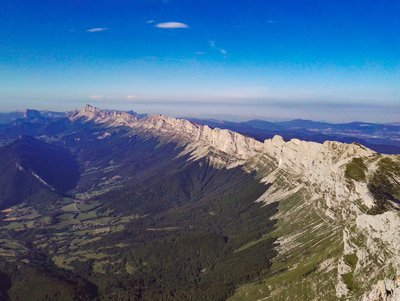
{"x": 325, "y": 60}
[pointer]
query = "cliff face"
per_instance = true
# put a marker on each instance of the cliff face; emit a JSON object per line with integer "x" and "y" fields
{"x": 385, "y": 290}
{"x": 333, "y": 241}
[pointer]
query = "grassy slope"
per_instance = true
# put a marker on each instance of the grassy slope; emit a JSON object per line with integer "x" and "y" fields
{"x": 298, "y": 272}
{"x": 313, "y": 240}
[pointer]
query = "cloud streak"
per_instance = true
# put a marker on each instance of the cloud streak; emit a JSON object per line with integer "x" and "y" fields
{"x": 213, "y": 45}
{"x": 171, "y": 25}
{"x": 222, "y": 51}
{"x": 96, "y": 29}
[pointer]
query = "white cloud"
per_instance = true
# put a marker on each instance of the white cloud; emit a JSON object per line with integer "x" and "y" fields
{"x": 96, "y": 97}
{"x": 96, "y": 29}
{"x": 150, "y": 21}
{"x": 171, "y": 25}
{"x": 131, "y": 97}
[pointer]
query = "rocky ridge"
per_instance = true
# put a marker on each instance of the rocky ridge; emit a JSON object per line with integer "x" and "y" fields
{"x": 201, "y": 140}
{"x": 317, "y": 170}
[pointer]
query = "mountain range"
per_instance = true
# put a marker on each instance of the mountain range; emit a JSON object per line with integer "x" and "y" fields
{"x": 111, "y": 205}
{"x": 382, "y": 138}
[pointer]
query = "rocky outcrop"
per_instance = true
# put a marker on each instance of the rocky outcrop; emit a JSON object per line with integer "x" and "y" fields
{"x": 383, "y": 236}
{"x": 384, "y": 290}
{"x": 110, "y": 118}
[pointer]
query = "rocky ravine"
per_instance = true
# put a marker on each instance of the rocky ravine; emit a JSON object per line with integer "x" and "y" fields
{"x": 364, "y": 261}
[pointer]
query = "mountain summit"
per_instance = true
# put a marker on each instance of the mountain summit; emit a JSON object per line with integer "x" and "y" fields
{"x": 116, "y": 205}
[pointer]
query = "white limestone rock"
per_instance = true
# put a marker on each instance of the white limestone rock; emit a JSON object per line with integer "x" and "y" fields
{"x": 384, "y": 290}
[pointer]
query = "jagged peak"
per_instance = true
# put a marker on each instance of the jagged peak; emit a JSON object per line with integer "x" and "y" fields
{"x": 87, "y": 111}
{"x": 277, "y": 139}
{"x": 239, "y": 146}
{"x": 345, "y": 148}
{"x": 161, "y": 120}
{"x": 91, "y": 113}
{"x": 90, "y": 108}
{"x": 160, "y": 117}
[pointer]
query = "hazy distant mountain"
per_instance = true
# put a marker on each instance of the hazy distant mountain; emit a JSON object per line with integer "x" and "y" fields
{"x": 115, "y": 206}
{"x": 382, "y": 138}
{"x": 133, "y": 113}
{"x": 9, "y": 117}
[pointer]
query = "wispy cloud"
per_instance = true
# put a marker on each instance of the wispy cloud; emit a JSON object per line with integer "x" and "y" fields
{"x": 96, "y": 97}
{"x": 222, "y": 51}
{"x": 96, "y": 29}
{"x": 150, "y": 21}
{"x": 130, "y": 96}
{"x": 171, "y": 25}
{"x": 214, "y": 46}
